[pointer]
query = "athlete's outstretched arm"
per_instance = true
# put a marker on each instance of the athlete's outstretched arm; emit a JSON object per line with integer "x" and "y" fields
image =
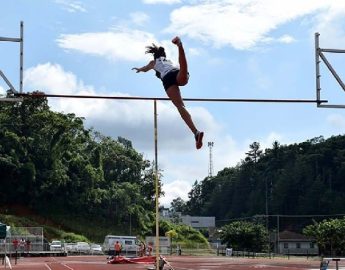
{"x": 146, "y": 68}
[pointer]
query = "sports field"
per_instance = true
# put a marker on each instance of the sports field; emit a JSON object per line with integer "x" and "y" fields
{"x": 177, "y": 262}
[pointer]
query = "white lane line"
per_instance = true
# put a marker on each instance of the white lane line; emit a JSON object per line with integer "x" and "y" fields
{"x": 47, "y": 266}
{"x": 61, "y": 263}
{"x": 70, "y": 268}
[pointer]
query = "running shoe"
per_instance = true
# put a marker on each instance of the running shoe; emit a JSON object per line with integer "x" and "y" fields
{"x": 198, "y": 139}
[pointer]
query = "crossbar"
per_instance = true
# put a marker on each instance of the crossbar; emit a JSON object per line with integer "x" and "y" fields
{"x": 332, "y": 50}
{"x": 10, "y": 39}
{"x": 165, "y": 98}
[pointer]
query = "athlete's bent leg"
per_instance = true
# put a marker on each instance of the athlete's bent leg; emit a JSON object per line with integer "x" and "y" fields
{"x": 174, "y": 94}
{"x": 182, "y": 76}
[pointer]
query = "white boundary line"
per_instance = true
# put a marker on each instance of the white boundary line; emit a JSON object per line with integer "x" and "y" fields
{"x": 61, "y": 263}
{"x": 70, "y": 268}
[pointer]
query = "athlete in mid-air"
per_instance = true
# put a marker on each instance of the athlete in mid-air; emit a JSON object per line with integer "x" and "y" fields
{"x": 173, "y": 77}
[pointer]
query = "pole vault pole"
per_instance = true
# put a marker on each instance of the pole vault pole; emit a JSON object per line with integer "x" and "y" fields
{"x": 156, "y": 182}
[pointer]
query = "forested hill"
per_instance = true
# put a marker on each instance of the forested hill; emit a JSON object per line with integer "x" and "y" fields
{"x": 51, "y": 164}
{"x": 300, "y": 179}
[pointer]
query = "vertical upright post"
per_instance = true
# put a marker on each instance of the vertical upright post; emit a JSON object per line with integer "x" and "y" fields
{"x": 317, "y": 67}
{"x": 156, "y": 183}
{"x": 278, "y": 234}
{"x": 268, "y": 233}
{"x": 21, "y": 57}
{"x": 210, "y": 168}
{"x": 5, "y": 253}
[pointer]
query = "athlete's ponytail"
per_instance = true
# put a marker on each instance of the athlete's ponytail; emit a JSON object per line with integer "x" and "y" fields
{"x": 155, "y": 51}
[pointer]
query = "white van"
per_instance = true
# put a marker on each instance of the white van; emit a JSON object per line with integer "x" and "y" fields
{"x": 128, "y": 243}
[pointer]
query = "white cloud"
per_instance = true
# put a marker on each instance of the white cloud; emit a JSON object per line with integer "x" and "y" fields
{"x": 195, "y": 51}
{"x": 51, "y": 77}
{"x": 139, "y": 17}
{"x": 331, "y": 25}
{"x": 174, "y": 190}
{"x": 244, "y": 24}
{"x": 169, "y": 2}
{"x": 71, "y": 6}
{"x": 2, "y": 91}
{"x": 119, "y": 44}
{"x": 286, "y": 39}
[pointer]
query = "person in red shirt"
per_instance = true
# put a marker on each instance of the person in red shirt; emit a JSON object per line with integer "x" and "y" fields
{"x": 15, "y": 243}
{"x": 28, "y": 245}
{"x": 117, "y": 248}
{"x": 142, "y": 249}
{"x": 149, "y": 249}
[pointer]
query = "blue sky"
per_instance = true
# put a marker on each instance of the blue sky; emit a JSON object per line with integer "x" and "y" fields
{"x": 235, "y": 49}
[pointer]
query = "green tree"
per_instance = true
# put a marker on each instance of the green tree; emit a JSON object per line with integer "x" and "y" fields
{"x": 45, "y": 155}
{"x": 254, "y": 152}
{"x": 243, "y": 235}
{"x": 178, "y": 205}
{"x": 329, "y": 235}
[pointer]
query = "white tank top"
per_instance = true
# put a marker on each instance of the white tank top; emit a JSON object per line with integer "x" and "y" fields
{"x": 163, "y": 66}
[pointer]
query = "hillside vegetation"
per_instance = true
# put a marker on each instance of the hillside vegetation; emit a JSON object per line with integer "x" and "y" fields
{"x": 73, "y": 181}
{"x": 299, "y": 179}
{"x": 71, "y": 175}
{"x": 78, "y": 181}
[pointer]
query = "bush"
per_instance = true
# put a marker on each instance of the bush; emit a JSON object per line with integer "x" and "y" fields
{"x": 72, "y": 237}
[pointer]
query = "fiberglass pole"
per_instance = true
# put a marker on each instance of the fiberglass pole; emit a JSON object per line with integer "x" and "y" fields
{"x": 156, "y": 184}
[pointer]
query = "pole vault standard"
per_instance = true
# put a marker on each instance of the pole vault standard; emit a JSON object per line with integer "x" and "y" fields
{"x": 319, "y": 53}
{"x": 21, "y": 61}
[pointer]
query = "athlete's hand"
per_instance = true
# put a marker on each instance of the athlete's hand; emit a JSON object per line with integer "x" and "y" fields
{"x": 136, "y": 69}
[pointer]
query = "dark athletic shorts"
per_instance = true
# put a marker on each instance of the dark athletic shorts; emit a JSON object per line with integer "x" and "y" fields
{"x": 170, "y": 79}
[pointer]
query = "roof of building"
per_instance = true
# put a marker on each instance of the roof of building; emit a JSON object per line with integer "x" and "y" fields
{"x": 292, "y": 236}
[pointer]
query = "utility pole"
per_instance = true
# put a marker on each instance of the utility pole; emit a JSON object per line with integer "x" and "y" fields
{"x": 210, "y": 167}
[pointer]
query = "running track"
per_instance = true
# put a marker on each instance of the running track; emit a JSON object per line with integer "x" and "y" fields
{"x": 178, "y": 262}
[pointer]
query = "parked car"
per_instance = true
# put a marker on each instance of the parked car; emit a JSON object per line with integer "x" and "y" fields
{"x": 56, "y": 245}
{"x": 71, "y": 247}
{"x": 96, "y": 249}
{"x": 83, "y": 247}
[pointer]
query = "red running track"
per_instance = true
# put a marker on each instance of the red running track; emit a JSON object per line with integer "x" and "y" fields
{"x": 178, "y": 262}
